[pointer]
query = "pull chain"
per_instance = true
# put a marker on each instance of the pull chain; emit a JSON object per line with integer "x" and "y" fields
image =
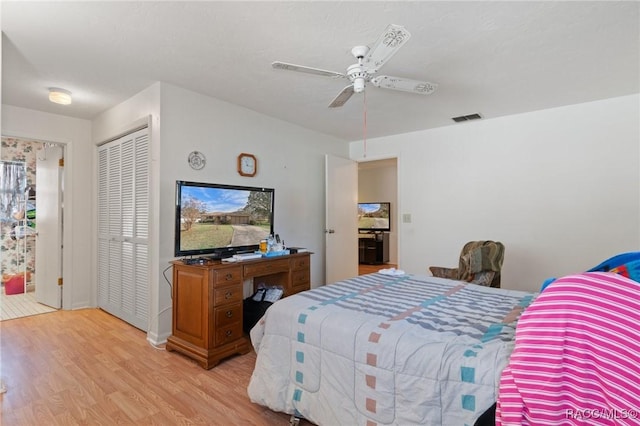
{"x": 364, "y": 130}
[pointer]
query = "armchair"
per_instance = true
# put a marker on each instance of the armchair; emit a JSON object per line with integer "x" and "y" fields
{"x": 480, "y": 263}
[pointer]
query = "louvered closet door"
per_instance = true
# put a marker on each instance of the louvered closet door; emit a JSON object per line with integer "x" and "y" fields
{"x": 123, "y": 228}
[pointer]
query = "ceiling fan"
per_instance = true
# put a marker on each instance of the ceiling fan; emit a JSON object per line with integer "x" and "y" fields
{"x": 369, "y": 62}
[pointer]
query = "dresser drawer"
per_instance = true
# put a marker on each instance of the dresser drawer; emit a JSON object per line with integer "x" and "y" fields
{"x": 300, "y": 263}
{"x": 300, "y": 278}
{"x": 227, "y": 315}
{"x": 266, "y": 268}
{"x": 227, "y": 276}
{"x": 229, "y": 333}
{"x": 226, "y": 295}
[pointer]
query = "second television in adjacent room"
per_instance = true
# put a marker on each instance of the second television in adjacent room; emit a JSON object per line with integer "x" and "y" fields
{"x": 374, "y": 217}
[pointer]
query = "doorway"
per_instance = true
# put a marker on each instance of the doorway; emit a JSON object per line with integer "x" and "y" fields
{"x": 378, "y": 182}
{"x": 20, "y": 237}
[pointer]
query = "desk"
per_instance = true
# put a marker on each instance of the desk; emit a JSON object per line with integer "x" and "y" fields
{"x": 207, "y": 302}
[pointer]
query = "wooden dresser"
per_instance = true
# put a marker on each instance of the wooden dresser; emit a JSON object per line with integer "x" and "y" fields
{"x": 207, "y": 302}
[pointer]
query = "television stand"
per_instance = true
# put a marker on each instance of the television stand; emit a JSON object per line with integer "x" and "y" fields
{"x": 374, "y": 248}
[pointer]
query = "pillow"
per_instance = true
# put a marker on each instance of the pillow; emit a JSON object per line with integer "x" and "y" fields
{"x": 630, "y": 270}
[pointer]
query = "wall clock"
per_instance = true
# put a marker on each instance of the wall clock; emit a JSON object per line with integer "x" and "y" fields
{"x": 247, "y": 164}
{"x": 197, "y": 160}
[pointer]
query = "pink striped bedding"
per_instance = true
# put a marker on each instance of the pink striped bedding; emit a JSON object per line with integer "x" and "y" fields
{"x": 577, "y": 355}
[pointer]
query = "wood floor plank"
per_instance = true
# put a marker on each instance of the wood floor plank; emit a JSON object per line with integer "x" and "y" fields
{"x": 87, "y": 367}
{"x": 20, "y": 305}
{"x": 369, "y": 269}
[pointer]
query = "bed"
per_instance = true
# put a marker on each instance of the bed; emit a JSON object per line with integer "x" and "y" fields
{"x": 386, "y": 349}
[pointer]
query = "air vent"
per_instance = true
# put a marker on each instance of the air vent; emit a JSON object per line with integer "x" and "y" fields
{"x": 475, "y": 116}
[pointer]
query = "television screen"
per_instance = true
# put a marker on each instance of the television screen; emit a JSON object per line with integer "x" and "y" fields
{"x": 374, "y": 216}
{"x": 221, "y": 220}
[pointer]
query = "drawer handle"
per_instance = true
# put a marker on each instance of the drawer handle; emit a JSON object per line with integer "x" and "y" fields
{"x": 228, "y": 277}
{"x": 228, "y": 295}
{"x": 228, "y": 333}
{"x": 229, "y": 314}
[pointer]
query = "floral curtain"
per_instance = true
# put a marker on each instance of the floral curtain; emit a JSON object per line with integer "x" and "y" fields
{"x": 17, "y": 175}
{"x": 13, "y": 184}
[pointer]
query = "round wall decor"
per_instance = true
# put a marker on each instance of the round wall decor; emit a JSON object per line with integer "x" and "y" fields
{"x": 197, "y": 160}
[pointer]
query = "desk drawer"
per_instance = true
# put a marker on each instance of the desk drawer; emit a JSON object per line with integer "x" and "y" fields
{"x": 228, "y": 315}
{"x": 228, "y": 333}
{"x": 222, "y": 277}
{"x": 266, "y": 268}
{"x": 226, "y": 295}
{"x": 300, "y": 278}
{"x": 300, "y": 263}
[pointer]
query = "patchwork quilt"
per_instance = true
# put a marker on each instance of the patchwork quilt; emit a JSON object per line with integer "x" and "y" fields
{"x": 386, "y": 350}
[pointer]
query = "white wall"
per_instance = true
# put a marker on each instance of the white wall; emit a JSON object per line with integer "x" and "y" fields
{"x": 78, "y": 193}
{"x": 560, "y": 188}
{"x": 291, "y": 160}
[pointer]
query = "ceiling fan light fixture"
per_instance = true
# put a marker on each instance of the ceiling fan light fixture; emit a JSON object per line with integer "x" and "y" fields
{"x": 369, "y": 62}
{"x": 59, "y": 96}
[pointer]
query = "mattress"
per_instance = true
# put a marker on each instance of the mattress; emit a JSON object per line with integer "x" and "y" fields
{"x": 386, "y": 350}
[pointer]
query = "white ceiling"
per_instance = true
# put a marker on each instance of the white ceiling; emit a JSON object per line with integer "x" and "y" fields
{"x": 492, "y": 58}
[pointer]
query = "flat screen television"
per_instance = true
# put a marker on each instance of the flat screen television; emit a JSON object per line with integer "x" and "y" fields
{"x": 374, "y": 217}
{"x": 221, "y": 220}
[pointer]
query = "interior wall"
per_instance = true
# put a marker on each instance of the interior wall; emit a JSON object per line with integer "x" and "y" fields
{"x": 378, "y": 181}
{"x": 78, "y": 211}
{"x": 559, "y": 187}
{"x": 290, "y": 159}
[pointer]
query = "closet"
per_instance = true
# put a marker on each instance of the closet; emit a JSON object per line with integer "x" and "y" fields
{"x": 123, "y": 228}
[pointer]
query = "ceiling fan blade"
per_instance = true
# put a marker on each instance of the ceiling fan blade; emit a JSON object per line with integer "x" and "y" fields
{"x": 404, "y": 84}
{"x": 342, "y": 97}
{"x": 309, "y": 70}
{"x": 392, "y": 39}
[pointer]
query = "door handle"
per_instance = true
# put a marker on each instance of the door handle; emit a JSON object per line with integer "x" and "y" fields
{"x": 329, "y": 231}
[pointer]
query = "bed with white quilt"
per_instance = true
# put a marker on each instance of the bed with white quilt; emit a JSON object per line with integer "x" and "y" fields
{"x": 386, "y": 350}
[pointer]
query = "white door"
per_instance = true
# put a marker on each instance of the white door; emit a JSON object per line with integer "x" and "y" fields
{"x": 123, "y": 228}
{"x": 49, "y": 226}
{"x": 341, "y": 227}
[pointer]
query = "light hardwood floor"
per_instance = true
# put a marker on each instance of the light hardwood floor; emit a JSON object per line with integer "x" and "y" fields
{"x": 88, "y": 367}
{"x": 368, "y": 269}
{"x": 21, "y": 305}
